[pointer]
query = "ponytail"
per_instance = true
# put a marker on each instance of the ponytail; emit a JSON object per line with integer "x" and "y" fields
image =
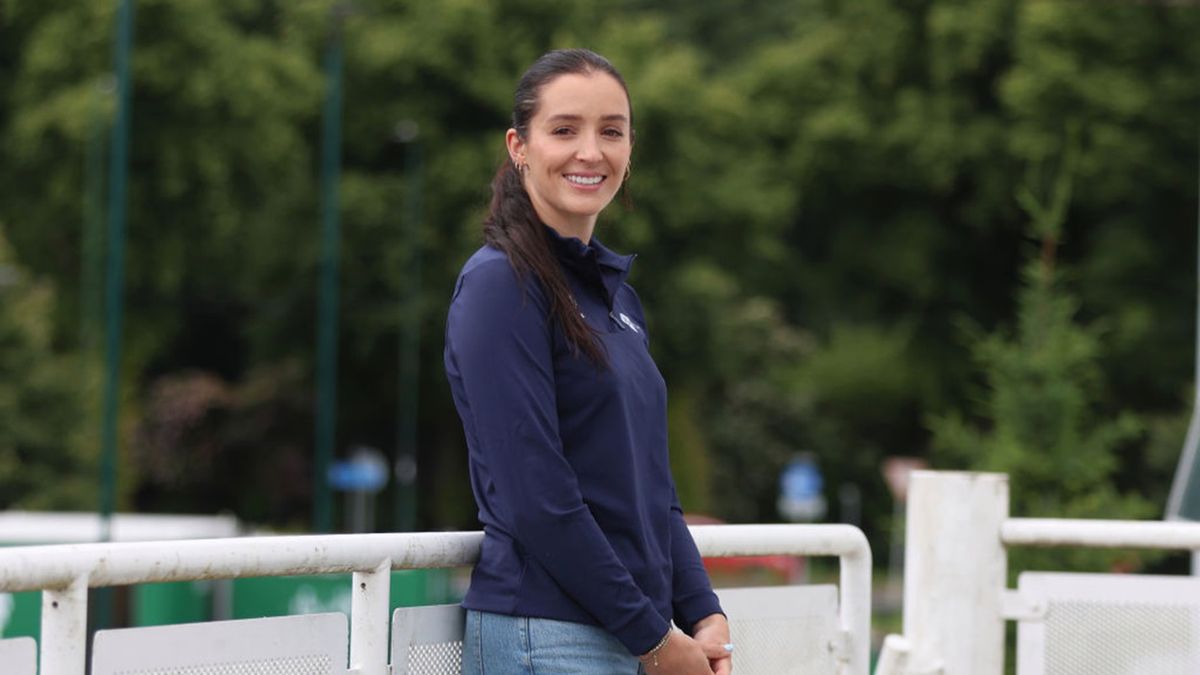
{"x": 512, "y": 226}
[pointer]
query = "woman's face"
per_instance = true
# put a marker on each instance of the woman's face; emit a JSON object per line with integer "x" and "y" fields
{"x": 576, "y": 150}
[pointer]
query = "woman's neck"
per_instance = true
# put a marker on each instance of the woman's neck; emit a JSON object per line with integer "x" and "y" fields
{"x": 581, "y": 231}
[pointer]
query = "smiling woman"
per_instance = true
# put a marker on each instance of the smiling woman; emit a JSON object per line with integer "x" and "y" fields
{"x": 586, "y": 559}
{"x": 575, "y": 151}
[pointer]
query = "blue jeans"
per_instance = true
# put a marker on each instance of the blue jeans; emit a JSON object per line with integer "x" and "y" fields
{"x": 496, "y": 644}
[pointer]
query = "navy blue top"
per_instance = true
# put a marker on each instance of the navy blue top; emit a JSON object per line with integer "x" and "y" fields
{"x": 568, "y": 461}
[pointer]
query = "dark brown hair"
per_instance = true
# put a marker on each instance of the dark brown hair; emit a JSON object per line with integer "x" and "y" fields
{"x": 513, "y": 226}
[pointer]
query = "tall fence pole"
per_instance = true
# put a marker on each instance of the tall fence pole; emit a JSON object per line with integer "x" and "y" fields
{"x": 327, "y": 308}
{"x": 1183, "y": 503}
{"x": 114, "y": 291}
{"x": 955, "y": 569}
{"x": 115, "y": 283}
{"x": 405, "y": 463}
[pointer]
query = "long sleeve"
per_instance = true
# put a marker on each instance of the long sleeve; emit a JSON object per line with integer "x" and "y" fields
{"x": 692, "y": 595}
{"x": 500, "y": 354}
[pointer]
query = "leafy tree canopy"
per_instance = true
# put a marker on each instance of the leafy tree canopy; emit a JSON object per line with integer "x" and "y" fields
{"x": 822, "y": 194}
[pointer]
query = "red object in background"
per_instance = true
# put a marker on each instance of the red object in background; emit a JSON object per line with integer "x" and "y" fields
{"x": 785, "y": 569}
{"x": 897, "y": 472}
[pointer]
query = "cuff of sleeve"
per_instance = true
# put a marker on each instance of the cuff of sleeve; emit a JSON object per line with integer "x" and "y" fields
{"x": 640, "y": 635}
{"x": 691, "y": 610}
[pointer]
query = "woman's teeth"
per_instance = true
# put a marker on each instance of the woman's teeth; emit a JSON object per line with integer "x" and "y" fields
{"x": 585, "y": 180}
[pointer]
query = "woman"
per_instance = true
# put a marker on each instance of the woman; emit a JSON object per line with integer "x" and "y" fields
{"x": 586, "y": 559}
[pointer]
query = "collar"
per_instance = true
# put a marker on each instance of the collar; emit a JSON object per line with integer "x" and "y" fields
{"x": 593, "y": 261}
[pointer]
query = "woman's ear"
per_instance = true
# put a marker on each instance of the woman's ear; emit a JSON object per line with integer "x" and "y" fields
{"x": 516, "y": 147}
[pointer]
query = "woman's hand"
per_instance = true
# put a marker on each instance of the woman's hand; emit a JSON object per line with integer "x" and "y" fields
{"x": 680, "y": 656}
{"x": 712, "y": 634}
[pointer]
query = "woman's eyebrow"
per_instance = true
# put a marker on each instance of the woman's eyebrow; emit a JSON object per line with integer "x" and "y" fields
{"x": 566, "y": 117}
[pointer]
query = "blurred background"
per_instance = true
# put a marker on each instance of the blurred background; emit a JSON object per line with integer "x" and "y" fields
{"x": 923, "y": 232}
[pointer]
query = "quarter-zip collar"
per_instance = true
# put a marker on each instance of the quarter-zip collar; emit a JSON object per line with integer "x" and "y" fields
{"x": 594, "y": 262}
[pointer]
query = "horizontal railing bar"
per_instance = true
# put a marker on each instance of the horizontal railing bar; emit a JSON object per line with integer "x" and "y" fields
{"x": 1046, "y": 532}
{"x": 721, "y": 541}
{"x": 117, "y": 564}
{"x": 29, "y": 568}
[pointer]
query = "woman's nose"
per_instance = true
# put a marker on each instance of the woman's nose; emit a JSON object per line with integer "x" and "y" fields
{"x": 588, "y": 149}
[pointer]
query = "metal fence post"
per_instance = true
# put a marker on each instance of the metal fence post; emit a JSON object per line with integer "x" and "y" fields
{"x": 955, "y": 568}
{"x": 64, "y": 629}
{"x": 369, "y": 620}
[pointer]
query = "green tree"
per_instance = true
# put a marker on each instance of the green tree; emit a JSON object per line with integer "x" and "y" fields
{"x": 225, "y": 95}
{"x": 821, "y": 190}
{"x": 1040, "y": 418}
{"x": 45, "y": 461}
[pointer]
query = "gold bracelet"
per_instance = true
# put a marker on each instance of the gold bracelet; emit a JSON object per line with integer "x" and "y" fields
{"x": 652, "y": 655}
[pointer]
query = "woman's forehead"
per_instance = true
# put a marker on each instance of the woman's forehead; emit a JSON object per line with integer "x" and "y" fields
{"x": 576, "y": 96}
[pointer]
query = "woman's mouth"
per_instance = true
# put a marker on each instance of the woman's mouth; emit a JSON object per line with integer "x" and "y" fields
{"x": 583, "y": 181}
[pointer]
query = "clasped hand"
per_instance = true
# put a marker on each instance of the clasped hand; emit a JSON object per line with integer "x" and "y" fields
{"x": 703, "y": 653}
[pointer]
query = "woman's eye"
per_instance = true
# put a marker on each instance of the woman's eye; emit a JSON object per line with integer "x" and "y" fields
{"x": 615, "y": 133}
{"x": 561, "y": 131}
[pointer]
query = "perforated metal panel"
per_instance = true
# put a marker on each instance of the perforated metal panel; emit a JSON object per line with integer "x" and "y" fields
{"x": 777, "y": 630}
{"x": 313, "y": 644}
{"x": 784, "y": 630}
{"x": 18, "y": 656}
{"x": 427, "y": 640}
{"x": 1109, "y": 624}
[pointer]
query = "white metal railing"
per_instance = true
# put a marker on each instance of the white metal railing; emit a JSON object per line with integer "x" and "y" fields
{"x": 844, "y": 541}
{"x": 62, "y": 527}
{"x": 956, "y": 598}
{"x": 64, "y": 573}
{"x": 1100, "y": 533}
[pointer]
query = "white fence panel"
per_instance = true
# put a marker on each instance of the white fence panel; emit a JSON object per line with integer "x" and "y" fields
{"x": 1108, "y": 624}
{"x": 18, "y": 656}
{"x": 846, "y": 542}
{"x": 428, "y": 640}
{"x": 788, "y": 630}
{"x": 955, "y": 600}
{"x": 312, "y": 644}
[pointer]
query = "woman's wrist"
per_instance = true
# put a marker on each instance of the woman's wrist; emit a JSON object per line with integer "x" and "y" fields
{"x": 651, "y": 657}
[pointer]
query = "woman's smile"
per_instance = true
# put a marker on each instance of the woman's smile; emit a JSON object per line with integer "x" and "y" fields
{"x": 585, "y": 181}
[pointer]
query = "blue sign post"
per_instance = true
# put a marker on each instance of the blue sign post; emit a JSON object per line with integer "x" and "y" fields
{"x": 360, "y": 476}
{"x": 802, "y": 490}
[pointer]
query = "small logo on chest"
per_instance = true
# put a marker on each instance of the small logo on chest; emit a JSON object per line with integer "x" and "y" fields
{"x": 629, "y": 322}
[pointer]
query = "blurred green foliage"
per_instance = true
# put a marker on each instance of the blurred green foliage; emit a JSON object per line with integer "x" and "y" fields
{"x": 44, "y": 460}
{"x": 1039, "y": 419}
{"x": 823, "y": 195}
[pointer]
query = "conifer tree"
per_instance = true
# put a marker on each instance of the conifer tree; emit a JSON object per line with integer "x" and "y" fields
{"x": 1039, "y": 419}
